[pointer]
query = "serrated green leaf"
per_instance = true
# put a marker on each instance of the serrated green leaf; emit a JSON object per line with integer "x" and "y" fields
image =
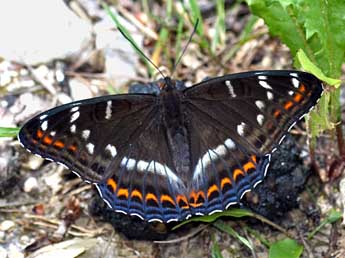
{"x": 317, "y": 28}
{"x": 325, "y": 23}
{"x": 308, "y": 66}
{"x": 9, "y": 131}
{"x": 237, "y": 213}
{"x": 314, "y": 26}
{"x": 286, "y": 248}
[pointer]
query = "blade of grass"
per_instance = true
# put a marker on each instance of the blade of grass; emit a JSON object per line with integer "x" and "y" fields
{"x": 228, "y": 229}
{"x": 163, "y": 37}
{"x": 244, "y": 37}
{"x": 219, "y": 37}
{"x": 196, "y": 15}
{"x": 333, "y": 216}
{"x": 9, "y": 131}
{"x": 179, "y": 34}
{"x": 134, "y": 45}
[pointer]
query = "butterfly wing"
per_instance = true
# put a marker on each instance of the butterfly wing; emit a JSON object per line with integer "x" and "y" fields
{"x": 236, "y": 122}
{"x": 117, "y": 143}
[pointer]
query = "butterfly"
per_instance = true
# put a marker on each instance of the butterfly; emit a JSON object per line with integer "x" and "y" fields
{"x": 179, "y": 151}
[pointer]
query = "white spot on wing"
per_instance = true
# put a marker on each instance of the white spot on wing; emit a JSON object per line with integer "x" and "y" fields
{"x": 42, "y": 117}
{"x": 75, "y": 116}
{"x": 108, "y": 110}
{"x": 295, "y": 82}
{"x": 260, "y": 119}
{"x": 44, "y": 125}
{"x": 151, "y": 167}
{"x": 90, "y": 147}
{"x": 240, "y": 128}
{"x": 111, "y": 149}
{"x": 291, "y": 92}
{"x": 265, "y": 85}
{"x": 230, "y": 144}
{"x": 53, "y": 133}
{"x": 73, "y": 128}
{"x": 74, "y": 109}
{"x": 85, "y": 134}
{"x": 260, "y": 104}
{"x": 262, "y": 77}
{"x": 231, "y": 88}
{"x": 269, "y": 95}
{"x": 294, "y": 75}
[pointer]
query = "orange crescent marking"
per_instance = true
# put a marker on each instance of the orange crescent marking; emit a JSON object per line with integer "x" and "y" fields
{"x": 39, "y": 133}
{"x": 182, "y": 198}
{"x": 248, "y": 166}
{"x": 122, "y": 192}
{"x": 237, "y": 172}
{"x": 254, "y": 158}
{"x": 136, "y": 193}
{"x": 167, "y": 198}
{"x": 211, "y": 189}
{"x": 298, "y": 97}
{"x": 59, "y": 144}
{"x": 195, "y": 195}
{"x": 225, "y": 181}
{"x": 194, "y": 205}
{"x": 276, "y": 113}
{"x": 111, "y": 182}
{"x": 47, "y": 140}
{"x": 72, "y": 148}
{"x": 151, "y": 196}
{"x": 288, "y": 105}
{"x": 302, "y": 88}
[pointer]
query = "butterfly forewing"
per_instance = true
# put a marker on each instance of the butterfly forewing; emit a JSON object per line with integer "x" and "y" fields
{"x": 90, "y": 135}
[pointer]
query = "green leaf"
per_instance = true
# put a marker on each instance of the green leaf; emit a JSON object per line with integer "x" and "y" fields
{"x": 324, "y": 24}
{"x": 308, "y": 66}
{"x": 237, "y": 213}
{"x": 9, "y": 131}
{"x": 286, "y": 248}
{"x": 314, "y": 26}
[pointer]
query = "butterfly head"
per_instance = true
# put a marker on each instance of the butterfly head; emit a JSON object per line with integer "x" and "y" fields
{"x": 167, "y": 84}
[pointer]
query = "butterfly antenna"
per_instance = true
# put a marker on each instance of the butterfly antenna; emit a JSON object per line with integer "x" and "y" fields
{"x": 140, "y": 51}
{"x": 186, "y": 46}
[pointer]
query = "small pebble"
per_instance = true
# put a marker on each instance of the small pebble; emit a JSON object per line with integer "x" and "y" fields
{"x": 30, "y": 184}
{"x": 6, "y": 225}
{"x": 3, "y": 252}
{"x": 35, "y": 162}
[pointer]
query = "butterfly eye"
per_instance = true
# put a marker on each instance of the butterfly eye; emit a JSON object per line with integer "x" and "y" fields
{"x": 179, "y": 151}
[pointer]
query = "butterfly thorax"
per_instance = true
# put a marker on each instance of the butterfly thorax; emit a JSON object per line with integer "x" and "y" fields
{"x": 174, "y": 123}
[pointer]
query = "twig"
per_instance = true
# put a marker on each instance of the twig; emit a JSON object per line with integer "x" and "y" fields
{"x": 181, "y": 239}
{"x": 305, "y": 244}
